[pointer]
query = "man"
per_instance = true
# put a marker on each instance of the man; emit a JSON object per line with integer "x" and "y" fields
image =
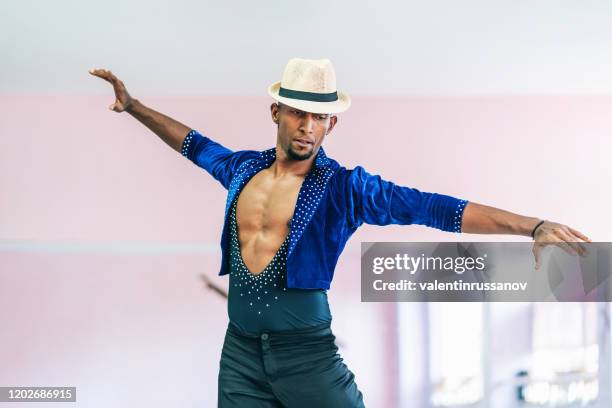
{"x": 289, "y": 213}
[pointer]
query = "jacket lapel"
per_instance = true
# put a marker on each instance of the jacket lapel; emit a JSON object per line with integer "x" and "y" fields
{"x": 309, "y": 197}
{"x": 244, "y": 173}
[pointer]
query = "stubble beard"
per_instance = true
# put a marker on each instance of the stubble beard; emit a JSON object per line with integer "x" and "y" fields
{"x": 297, "y": 156}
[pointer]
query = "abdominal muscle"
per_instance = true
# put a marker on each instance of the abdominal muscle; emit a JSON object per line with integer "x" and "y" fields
{"x": 258, "y": 252}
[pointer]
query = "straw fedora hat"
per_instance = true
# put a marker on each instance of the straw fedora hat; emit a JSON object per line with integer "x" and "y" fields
{"x": 310, "y": 85}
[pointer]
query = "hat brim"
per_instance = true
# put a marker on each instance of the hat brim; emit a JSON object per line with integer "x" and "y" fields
{"x": 340, "y": 105}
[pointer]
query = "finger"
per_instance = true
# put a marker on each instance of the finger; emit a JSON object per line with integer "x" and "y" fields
{"x": 567, "y": 240}
{"x": 554, "y": 238}
{"x": 582, "y": 246}
{"x": 116, "y": 106}
{"x": 537, "y": 249}
{"x": 117, "y": 84}
{"x": 578, "y": 242}
{"x": 105, "y": 74}
{"x": 99, "y": 72}
{"x": 108, "y": 75}
{"x": 565, "y": 246}
{"x": 580, "y": 234}
{"x": 571, "y": 240}
{"x": 111, "y": 76}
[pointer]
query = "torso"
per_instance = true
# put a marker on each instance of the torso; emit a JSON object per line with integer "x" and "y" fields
{"x": 262, "y": 301}
{"x": 264, "y": 210}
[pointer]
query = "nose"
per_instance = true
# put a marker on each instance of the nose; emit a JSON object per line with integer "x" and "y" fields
{"x": 307, "y": 123}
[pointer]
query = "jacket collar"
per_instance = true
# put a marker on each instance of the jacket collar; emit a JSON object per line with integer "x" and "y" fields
{"x": 310, "y": 194}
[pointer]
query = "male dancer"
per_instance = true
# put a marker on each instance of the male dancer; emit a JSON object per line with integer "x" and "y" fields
{"x": 290, "y": 210}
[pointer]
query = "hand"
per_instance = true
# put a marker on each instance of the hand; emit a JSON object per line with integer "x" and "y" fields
{"x": 560, "y": 235}
{"x": 123, "y": 100}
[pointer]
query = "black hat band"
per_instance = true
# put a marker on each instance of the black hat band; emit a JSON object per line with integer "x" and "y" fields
{"x": 308, "y": 96}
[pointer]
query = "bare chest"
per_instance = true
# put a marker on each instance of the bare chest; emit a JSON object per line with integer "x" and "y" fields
{"x": 263, "y": 213}
{"x": 266, "y": 204}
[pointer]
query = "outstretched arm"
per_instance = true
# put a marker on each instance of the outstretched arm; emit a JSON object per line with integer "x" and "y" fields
{"x": 483, "y": 219}
{"x": 169, "y": 130}
{"x": 213, "y": 157}
{"x": 376, "y": 201}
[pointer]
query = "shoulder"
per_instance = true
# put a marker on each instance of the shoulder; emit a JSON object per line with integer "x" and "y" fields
{"x": 343, "y": 174}
{"x": 345, "y": 179}
{"x": 246, "y": 155}
{"x": 342, "y": 177}
{"x": 244, "y": 158}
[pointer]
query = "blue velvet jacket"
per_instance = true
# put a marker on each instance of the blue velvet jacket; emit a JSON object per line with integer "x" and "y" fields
{"x": 332, "y": 203}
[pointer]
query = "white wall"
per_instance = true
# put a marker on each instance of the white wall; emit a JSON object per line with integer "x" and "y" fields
{"x": 239, "y": 47}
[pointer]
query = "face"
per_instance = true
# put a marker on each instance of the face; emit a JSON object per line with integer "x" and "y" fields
{"x": 300, "y": 134}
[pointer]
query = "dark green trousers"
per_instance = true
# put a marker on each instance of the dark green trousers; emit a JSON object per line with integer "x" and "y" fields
{"x": 291, "y": 369}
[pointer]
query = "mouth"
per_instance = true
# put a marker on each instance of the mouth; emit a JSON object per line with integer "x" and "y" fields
{"x": 303, "y": 142}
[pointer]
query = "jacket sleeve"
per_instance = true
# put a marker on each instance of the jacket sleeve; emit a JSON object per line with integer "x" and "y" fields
{"x": 372, "y": 200}
{"x": 219, "y": 161}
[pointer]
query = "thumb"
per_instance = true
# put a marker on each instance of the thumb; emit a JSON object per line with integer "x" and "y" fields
{"x": 536, "y": 253}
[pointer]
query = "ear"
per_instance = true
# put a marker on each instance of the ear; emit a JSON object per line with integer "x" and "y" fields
{"x": 274, "y": 108}
{"x": 332, "y": 122}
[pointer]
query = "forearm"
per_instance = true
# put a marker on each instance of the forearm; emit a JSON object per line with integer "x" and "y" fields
{"x": 483, "y": 219}
{"x": 169, "y": 130}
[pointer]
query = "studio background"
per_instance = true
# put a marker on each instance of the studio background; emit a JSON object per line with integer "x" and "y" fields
{"x": 105, "y": 230}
